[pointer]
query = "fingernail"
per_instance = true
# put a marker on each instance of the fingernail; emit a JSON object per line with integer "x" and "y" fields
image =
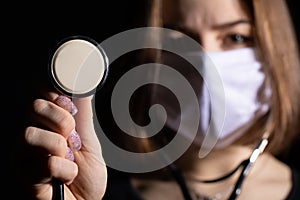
{"x": 67, "y": 104}
{"x": 74, "y": 141}
{"x": 69, "y": 155}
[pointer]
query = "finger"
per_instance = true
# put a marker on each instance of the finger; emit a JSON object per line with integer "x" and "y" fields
{"x": 53, "y": 117}
{"x": 66, "y": 103}
{"x": 74, "y": 141}
{"x": 85, "y": 124}
{"x": 62, "y": 169}
{"x": 85, "y": 113}
{"x": 61, "y": 100}
{"x": 51, "y": 96}
{"x": 46, "y": 141}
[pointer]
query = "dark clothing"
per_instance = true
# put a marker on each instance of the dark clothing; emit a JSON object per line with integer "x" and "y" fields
{"x": 295, "y": 192}
{"x": 120, "y": 188}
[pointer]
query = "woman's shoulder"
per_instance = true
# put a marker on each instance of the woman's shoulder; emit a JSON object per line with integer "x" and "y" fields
{"x": 269, "y": 179}
{"x": 290, "y": 175}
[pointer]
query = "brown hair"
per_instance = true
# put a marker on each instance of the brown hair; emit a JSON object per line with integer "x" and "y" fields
{"x": 278, "y": 46}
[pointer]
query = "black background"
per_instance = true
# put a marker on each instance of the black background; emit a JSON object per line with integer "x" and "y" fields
{"x": 29, "y": 33}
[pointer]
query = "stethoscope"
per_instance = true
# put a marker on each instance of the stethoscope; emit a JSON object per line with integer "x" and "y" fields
{"x": 246, "y": 166}
{"x": 78, "y": 67}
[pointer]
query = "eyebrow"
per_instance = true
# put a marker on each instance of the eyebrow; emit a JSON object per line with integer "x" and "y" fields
{"x": 219, "y": 26}
{"x": 231, "y": 24}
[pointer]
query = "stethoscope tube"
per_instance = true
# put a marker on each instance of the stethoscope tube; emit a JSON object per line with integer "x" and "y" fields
{"x": 57, "y": 189}
{"x": 246, "y": 164}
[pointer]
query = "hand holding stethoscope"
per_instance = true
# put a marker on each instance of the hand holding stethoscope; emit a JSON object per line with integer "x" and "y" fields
{"x": 77, "y": 68}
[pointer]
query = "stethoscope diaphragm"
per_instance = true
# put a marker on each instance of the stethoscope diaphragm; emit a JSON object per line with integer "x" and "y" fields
{"x": 78, "y": 66}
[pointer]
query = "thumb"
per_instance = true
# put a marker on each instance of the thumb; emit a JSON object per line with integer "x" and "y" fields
{"x": 85, "y": 124}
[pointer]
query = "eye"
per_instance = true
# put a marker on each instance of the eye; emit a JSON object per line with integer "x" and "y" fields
{"x": 237, "y": 38}
{"x": 231, "y": 41}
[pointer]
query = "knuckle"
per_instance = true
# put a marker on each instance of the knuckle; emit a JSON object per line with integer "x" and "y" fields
{"x": 30, "y": 134}
{"x": 40, "y": 105}
{"x": 66, "y": 122}
{"x": 58, "y": 167}
{"x": 54, "y": 165}
{"x": 61, "y": 145}
{"x": 73, "y": 170}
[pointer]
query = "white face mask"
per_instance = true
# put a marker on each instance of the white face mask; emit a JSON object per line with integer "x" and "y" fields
{"x": 242, "y": 80}
{"x": 246, "y": 92}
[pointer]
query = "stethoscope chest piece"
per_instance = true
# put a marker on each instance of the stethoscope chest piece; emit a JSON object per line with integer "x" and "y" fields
{"x": 78, "y": 66}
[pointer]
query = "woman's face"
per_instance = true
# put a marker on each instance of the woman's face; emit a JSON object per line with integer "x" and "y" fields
{"x": 217, "y": 25}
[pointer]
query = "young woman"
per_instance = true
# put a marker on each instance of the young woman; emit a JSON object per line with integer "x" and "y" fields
{"x": 262, "y": 109}
{"x": 226, "y": 30}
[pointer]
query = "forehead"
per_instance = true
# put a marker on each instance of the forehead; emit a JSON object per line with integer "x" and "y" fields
{"x": 205, "y": 11}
